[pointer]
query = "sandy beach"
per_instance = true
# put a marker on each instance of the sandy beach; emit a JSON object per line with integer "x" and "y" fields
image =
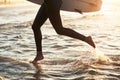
{"x": 65, "y": 58}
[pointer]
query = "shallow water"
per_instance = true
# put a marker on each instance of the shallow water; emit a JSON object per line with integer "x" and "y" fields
{"x": 65, "y": 58}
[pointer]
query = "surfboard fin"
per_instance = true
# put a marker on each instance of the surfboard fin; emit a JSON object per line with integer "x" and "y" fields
{"x": 78, "y": 11}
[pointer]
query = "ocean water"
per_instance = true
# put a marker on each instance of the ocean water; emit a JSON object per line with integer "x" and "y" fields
{"x": 65, "y": 58}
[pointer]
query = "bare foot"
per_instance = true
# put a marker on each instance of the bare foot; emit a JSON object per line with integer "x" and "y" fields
{"x": 90, "y": 41}
{"x": 38, "y": 57}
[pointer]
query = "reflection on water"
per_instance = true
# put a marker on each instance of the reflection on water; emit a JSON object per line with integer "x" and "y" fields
{"x": 57, "y": 70}
{"x": 65, "y": 58}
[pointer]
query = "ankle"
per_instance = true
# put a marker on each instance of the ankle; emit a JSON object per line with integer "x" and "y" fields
{"x": 89, "y": 40}
{"x": 39, "y": 53}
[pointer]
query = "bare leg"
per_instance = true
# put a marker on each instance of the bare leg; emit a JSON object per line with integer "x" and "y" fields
{"x": 55, "y": 19}
{"x": 38, "y": 22}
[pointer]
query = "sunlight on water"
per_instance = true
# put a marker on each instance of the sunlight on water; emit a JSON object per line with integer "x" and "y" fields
{"x": 65, "y": 58}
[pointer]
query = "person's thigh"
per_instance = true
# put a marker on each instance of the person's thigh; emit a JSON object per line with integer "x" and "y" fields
{"x": 53, "y": 8}
{"x": 53, "y": 5}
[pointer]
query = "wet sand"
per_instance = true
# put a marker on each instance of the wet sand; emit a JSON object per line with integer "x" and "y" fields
{"x": 65, "y": 58}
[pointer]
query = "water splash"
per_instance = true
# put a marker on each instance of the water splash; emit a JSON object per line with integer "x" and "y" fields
{"x": 101, "y": 57}
{"x": 92, "y": 56}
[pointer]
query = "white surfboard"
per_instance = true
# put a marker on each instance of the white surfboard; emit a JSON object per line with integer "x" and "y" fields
{"x": 77, "y": 5}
